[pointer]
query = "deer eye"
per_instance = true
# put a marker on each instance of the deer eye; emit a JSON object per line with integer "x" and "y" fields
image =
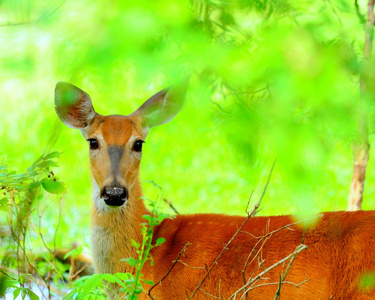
{"x": 94, "y": 144}
{"x": 138, "y": 145}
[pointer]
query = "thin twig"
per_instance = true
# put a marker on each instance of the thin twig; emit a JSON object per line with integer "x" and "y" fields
{"x": 220, "y": 288}
{"x": 264, "y": 239}
{"x": 285, "y": 282}
{"x": 282, "y": 277}
{"x": 41, "y": 18}
{"x": 170, "y": 269}
{"x": 209, "y": 295}
{"x": 226, "y": 246}
{"x": 185, "y": 264}
{"x": 220, "y": 107}
{"x": 269, "y": 234}
{"x": 75, "y": 275}
{"x": 298, "y": 249}
{"x": 171, "y": 206}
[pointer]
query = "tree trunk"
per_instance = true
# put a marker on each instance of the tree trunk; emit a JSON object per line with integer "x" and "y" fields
{"x": 361, "y": 145}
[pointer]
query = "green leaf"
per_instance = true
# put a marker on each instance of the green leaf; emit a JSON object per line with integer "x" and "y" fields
{"x": 31, "y": 168}
{"x": 32, "y": 295}
{"x": 19, "y": 187}
{"x": 131, "y": 261}
{"x": 3, "y": 208}
{"x": 46, "y": 164}
{"x": 162, "y": 217}
{"x": 35, "y": 185}
{"x": 32, "y": 174}
{"x": 135, "y": 244}
{"x": 130, "y": 281}
{"x": 16, "y": 292}
{"x": 19, "y": 176}
{"x": 124, "y": 276}
{"x": 92, "y": 282}
{"x": 75, "y": 252}
{"x": 82, "y": 280}
{"x": 52, "y": 155}
{"x": 113, "y": 279}
{"x": 150, "y": 282}
{"x": 159, "y": 241}
{"x": 53, "y": 187}
{"x": 109, "y": 277}
{"x": 148, "y": 218}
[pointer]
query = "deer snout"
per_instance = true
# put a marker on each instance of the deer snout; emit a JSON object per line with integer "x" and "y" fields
{"x": 114, "y": 196}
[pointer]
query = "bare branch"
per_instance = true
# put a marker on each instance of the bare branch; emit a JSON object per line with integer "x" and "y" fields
{"x": 209, "y": 295}
{"x": 263, "y": 239}
{"x": 277, "y": 283}
{"x": 226, "y": 246}
{"x": 171, "y": 206}
{"x": 170, "y": 269}
{"x": 185, "y": 264}
{"x": 248, "y": 286}
{"x": 282, "y": 277}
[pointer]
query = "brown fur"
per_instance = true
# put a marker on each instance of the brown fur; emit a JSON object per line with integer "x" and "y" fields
{"x": 340, "y": 249}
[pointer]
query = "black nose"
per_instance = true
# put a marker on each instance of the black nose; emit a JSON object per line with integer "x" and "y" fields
{"x": 114, "y": 196}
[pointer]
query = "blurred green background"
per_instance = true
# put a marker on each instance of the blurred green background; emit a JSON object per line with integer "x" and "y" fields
{"x": 269, "y": 80}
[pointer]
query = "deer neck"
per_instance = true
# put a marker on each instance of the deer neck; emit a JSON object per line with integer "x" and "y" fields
{"x": 112, "y": 230}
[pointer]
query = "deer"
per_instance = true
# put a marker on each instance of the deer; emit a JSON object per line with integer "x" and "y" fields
{"x": 340, "y": 246}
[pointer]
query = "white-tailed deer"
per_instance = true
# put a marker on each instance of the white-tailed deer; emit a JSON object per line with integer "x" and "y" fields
{"x": 341, "y": 246}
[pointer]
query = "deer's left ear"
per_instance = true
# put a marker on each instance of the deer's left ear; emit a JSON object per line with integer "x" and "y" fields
{"x": 161, "y": 108}
{"x": 73, "y": 106}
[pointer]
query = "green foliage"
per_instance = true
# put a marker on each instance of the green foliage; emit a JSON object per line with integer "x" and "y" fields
{"x": 89, "y": 287}
{"x": 37, "y": 174}
{"x": 52, "y": 186}
{"x": 134, "y": 287}
{"x": 74, "y": 253}
{"x": 21, "y": 290}
{"x": 269, "y": 80}
{"x": 23, "y": 197}
{"x": 3, "y": 285}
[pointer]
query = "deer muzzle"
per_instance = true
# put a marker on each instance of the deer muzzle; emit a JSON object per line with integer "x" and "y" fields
{"x": 114, "y": 196}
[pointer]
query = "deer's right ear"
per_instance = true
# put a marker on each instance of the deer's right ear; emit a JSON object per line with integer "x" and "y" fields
{"x": 73, "y": 106}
